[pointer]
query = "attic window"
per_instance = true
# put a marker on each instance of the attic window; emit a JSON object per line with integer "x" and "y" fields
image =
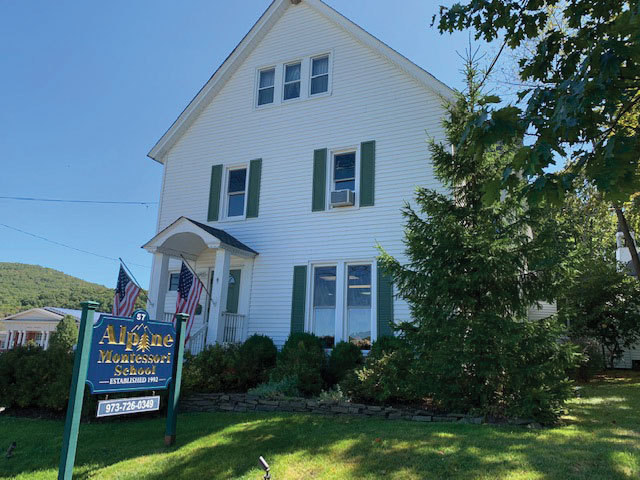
{"x": 266, "y": 86}
{"x": 319, "y": 75}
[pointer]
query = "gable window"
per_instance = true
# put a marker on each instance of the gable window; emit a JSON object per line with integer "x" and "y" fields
{"x": 344, "y": 171}
{"x": 266, "y": 86}
{"x": 324, "y": 304}
{"x": 319, "y": 75}
{"x": 236, "y": 188}
{"x": 174, "y": 280}
{"x": 292, "y": 81}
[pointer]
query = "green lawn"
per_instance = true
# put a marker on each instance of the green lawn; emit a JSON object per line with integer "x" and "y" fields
{"x": 600, "y": 440}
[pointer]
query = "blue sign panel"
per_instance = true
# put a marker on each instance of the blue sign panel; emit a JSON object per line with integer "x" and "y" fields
{"x": 129, "y": 354}
{"x": 124, "y": 406}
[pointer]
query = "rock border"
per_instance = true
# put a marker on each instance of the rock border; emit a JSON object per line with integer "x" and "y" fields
{"x": 244, "y": 402}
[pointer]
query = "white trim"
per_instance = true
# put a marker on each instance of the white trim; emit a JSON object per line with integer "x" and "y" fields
{"x": 250, "y": 41}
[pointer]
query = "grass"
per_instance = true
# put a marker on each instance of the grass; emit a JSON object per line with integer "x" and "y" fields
{"x": 600, "y": 439}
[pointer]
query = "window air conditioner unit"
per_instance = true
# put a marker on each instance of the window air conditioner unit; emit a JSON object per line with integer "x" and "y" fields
{"x": 343, "y": 198}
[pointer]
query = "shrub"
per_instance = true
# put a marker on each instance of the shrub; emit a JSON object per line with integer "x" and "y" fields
{"x": 302, "y": 356}
{"x": 256, "y": 358}
{"x": 65, "y": 335}
{"x": 212, "y": 370}
{"x": 287, "y": 386}
{"x": 386, "y": 344}
{"x": 34, "y": 378}
{"x": 345, "y": 357}
{"x": 387, "y": 377}
{"x": 335, "y": 394}
{"x": 592, "y": 361}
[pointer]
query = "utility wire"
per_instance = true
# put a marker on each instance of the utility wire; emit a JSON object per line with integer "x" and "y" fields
{"x": 68, "y": 246}
{"x": 61, "y": 200}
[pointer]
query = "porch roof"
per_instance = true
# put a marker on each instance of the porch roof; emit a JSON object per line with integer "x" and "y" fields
{"x": 209, "y": 237}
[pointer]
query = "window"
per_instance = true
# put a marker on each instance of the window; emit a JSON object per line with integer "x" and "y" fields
{"x": 292, "y": 81}
{"x": 344, "y": 171}
{"x": 174, "y": 280}
{"x": 359, "y": 305}
{"x": 266, "y": 86}
{"x": 341, "y": 303}
{"x": 319, "y": 75}
{"x": 324, "y": 304}
{"x": 236, "y": 192}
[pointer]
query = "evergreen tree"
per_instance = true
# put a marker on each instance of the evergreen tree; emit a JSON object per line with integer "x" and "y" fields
{"x": 65, "y": 336}
{"x": 474, "y": 271}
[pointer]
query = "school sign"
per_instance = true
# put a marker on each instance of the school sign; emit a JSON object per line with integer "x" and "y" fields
{"x": 131, "y": 354}
{"x": 120, "y": 354}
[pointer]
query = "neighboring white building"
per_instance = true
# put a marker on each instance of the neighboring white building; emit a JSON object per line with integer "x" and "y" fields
{"x": 631, "y": 357}
{"x": 283, "y": 174}
{"x": 35, "y": 324}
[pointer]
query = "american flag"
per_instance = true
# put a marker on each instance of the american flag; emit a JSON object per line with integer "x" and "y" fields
{"x": 189, "y": 290}
{"x": 125, "y": 295}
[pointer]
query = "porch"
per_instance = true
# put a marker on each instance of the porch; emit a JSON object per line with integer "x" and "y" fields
{"x": 222, "y": 263}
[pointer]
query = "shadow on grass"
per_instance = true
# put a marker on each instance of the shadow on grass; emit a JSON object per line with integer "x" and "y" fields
{"x": 600, "y": 440}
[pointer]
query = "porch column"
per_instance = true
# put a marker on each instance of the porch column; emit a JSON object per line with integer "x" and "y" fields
{"x": 23, "y": 337}
{"x": 10, "y": 340}
{"x": 45, "y": 340}
{"x": 219, "y": 289}
{"x": 158, "y": 286}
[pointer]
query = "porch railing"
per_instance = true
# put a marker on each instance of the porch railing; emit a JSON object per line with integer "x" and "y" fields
{"x": 233, "y": 327}
{"x": 196, "y": 341}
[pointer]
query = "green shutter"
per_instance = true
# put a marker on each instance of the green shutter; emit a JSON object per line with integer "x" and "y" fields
{"x": 367, "y": 173}
{"x": 298, "y": 298}
{"x": 253, "y": 197}
{"x": 214, "y": 193}
{"x": 319, "y": 180}
{"x": 233, "y": 294}
{"x": 385, "y": 304}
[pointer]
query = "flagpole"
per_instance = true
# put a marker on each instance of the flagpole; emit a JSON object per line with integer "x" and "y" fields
{"x": 195, "y": 275}
{"x": 133, "y": 278}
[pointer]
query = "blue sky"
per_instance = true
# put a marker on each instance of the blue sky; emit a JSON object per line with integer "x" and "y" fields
{"x": 88, "y": 88}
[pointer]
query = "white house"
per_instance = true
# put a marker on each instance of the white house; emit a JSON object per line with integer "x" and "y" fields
{"x": 283, "y": 174}
{"x": 35, "y": 324}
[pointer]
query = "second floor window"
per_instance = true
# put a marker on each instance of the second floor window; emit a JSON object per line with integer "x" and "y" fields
{"x": 292, "y": 81}
{"x": 236, "y": 192}
{"x": 344, "y": 171}
{"x": 266, "y": 86}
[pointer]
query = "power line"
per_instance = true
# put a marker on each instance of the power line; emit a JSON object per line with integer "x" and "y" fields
{"x": 61, "y": 200}
{"x": 68, "y": 246}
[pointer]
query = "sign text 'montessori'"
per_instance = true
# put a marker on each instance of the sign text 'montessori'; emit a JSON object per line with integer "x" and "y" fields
{"x": 129, "y": 354}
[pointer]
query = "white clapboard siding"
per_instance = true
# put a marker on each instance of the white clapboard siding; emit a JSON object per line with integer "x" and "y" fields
{"x": 371, "y": 99}
{"x": 544, "y": 311}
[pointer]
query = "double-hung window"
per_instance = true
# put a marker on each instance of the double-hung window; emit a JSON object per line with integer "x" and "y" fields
{"x": 236, "y": 189}
{"x": 344, "y": 171}
{"x": 292, "y": 81}
{"x": 319, "y": 75}
{"x": 266, "y": 86}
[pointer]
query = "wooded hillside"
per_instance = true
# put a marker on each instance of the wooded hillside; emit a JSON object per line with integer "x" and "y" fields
{"x": 25, "y": 286}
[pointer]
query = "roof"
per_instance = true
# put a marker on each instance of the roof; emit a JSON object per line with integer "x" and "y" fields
{"x": 57, "y": 311}
{"x": 223, "y": 236}
{"x": 209, "y": 238}
{"x": 251, "y": 40}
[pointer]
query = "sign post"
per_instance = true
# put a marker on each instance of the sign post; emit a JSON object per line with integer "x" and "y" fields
{"x": 174, "y": 388}
{"x": 76, "y": 393}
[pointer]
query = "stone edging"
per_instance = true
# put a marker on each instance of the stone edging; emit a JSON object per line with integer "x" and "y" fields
{"x": 242, "y": 402}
